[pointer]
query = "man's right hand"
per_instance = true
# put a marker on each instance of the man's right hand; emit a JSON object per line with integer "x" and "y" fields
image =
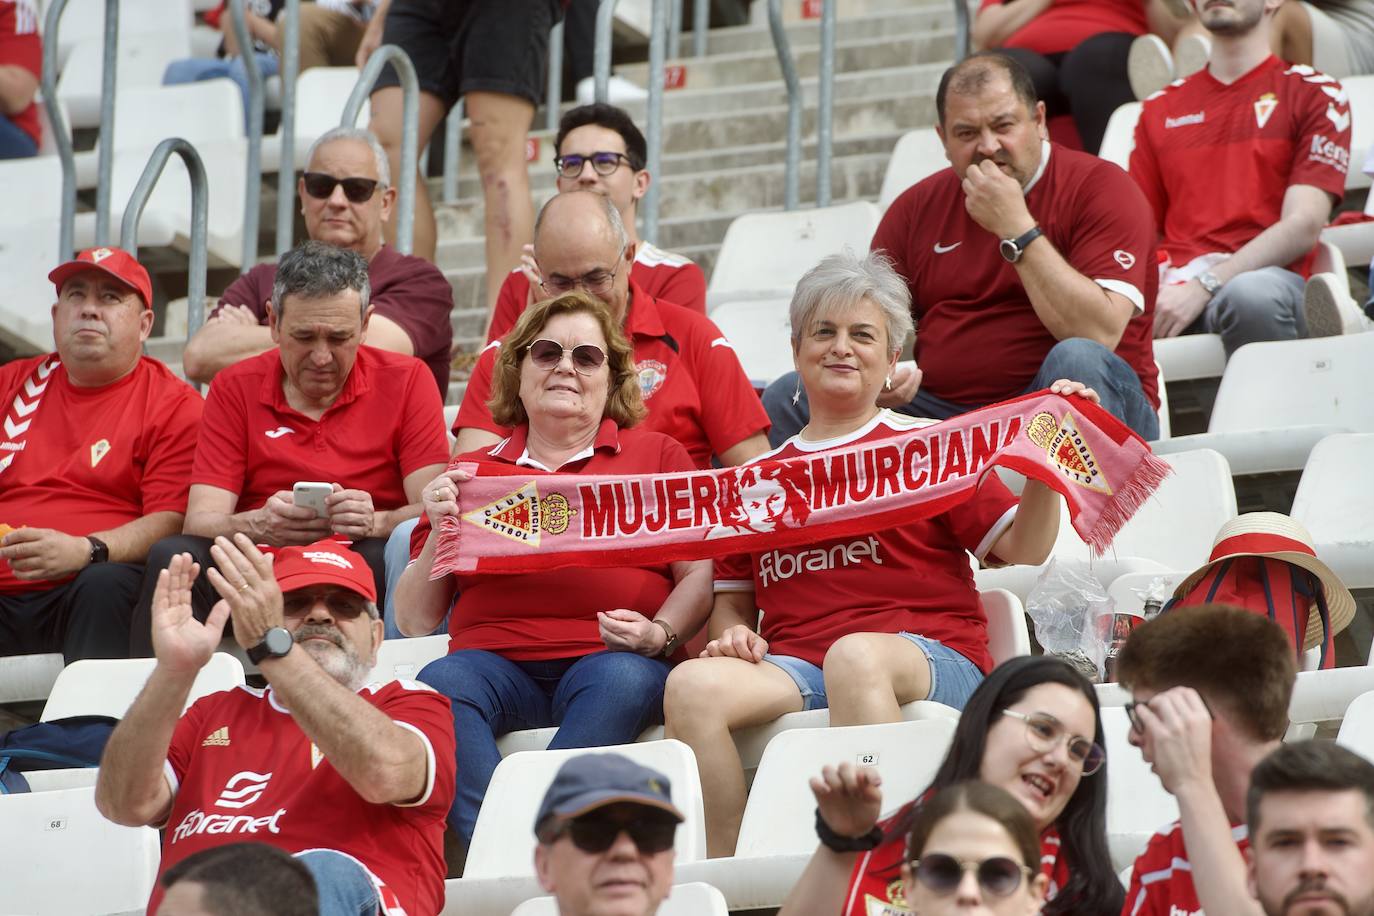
{"x": 284, "y": 522}
{"x": 849, "y": 798}
{"x": 180, "y": 642}
{"x": 236, "y": 314}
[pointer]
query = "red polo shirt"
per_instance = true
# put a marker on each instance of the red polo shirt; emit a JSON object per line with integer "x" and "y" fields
{"x": 386, "y": 423}
{"x": 692, "y": 382}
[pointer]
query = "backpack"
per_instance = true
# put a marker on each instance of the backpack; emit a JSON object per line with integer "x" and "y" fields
{"x": 76, "y": 741}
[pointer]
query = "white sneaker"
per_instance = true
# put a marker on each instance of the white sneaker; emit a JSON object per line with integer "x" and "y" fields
{"x": 618, "y": 91}
{"x": 1190, "y": 55}
{"x": 1150, "y": 65}
{"x": 1329, "y": 308}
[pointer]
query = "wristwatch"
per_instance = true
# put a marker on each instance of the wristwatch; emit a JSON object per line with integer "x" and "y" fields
{"x": 100, "y": 551}
{"x": 671, "y": 645}
{"x": 1012, "y": 249}
{"x": 276, "y": 642}
{"x": 1209, "y": 282}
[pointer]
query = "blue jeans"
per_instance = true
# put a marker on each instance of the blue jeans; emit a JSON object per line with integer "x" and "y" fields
{"x": 196, "y": 69}
{"x": 598, "y": 699}
{"x": 344, "y": 886}
{"x": 14, "y": 143}
{"x": 1258, "y": 305}
{"x": 952, "y": 677}
{"x": 1077, "y": 358}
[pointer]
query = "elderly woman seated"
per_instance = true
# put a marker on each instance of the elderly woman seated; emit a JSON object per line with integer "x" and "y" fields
{"x": 584, "y": 649}
{"x": 889, "y": 617}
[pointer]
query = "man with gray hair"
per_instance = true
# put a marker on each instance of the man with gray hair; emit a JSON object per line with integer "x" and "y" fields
{"x": 320, "y": 411}
{"x": 346, "y": 197}
{"x": 353, "y": 780}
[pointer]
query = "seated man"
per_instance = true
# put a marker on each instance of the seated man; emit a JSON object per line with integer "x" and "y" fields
{"x": 346, "y": 196}
{"x": 1027, "y": 262}
{"x": 320, "y": 407}
{"x": 1241, "y": 163}
{"x": 21, "y": 64}
{"x": 97, "y": 450}
{"x": 1311, "y": 814}
{"x": 605, "y": 829}
{"x": 239, "y": 878}
{"x": 1211, "y": 686}
{"x": 260, "y": 18}
{"x": 600, "y": 149}
{"x": 353, "y": 780}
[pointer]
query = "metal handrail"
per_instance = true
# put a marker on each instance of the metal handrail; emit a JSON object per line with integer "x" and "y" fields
{"x": 200, "y": 205}
{"x": 653, "y": 133}
{"x": 674, "y": 28}
{"x": 601, "y": 54}
{"x": 701, "y": 23}
{"x": 290, "y": 20}
{"x": 792, "y": 179}
{"x": 410, "y": 129}
{"x": 252, "y": 190}
{"x": 61, "y": 132}
{"x": 962, "y": 30}
{"x": 453, "y": 150}
{"x": 825, "y": 103}
{"x": 105, "y": 155}
{"x": 553, "y": 97}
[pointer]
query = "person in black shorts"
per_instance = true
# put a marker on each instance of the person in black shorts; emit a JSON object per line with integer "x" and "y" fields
{"x": 492, "y": 54}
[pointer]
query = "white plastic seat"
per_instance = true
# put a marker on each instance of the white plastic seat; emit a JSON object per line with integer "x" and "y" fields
{"x": 321, "y": 93}
{"x": 1325, "y": 696}
{"x": 143, "y": 59}
{"x": 1360, "y": 90}
{"x": 759, "y": 332}
{"x": 402, "y": 659}
{"x": 917, "y": 155}
{"x": 28, "y": 677}
{"x": 1357, "y": 728}
{"x": 1335, "y": 502}
{"x": 772, "y": 250}
{"x": 1137, "y": 804}
{"x": 1118, "y": 141}
{"x": 1190, "y": 356}
{"x": 695, "y": 899}
{"x": 62, "y": 856}
{"x": 83, "y": 20}
{"x": 28, "y": 251}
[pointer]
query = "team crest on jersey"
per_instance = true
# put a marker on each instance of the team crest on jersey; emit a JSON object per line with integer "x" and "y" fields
{"x": 99, "y": 450}
{"x": 652, "y": 374}
{"x": 1067, "y": 450}
{"x": 894, "y": 905}
{"x": 1264, "y": 108}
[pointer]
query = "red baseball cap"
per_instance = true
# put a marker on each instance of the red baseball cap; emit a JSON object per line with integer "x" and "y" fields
{"x": 326, "y": 562}
{"x": 116, "y": 262}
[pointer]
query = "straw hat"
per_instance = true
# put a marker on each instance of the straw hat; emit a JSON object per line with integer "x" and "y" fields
{"x": 1269, "y": 534}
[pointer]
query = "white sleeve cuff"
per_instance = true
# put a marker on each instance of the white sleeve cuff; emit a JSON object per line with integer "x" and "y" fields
{"x": 429, "y": 766}
{"x": 1122, "y": 288}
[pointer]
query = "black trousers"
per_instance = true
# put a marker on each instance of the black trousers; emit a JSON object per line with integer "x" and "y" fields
{"x": 88, "y": 617}
{"x": 1088, "y": 82}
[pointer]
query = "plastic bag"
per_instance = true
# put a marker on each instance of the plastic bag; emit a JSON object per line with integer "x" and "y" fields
{"x": 1065, "y": 606}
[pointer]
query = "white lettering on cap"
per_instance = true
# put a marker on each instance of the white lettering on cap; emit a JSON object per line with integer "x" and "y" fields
{"x": 324, "y": 556}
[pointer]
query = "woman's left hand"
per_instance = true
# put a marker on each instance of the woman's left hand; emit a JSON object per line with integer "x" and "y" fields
{"x": 1067, "y": 387}
{"x": 623, "y": 630}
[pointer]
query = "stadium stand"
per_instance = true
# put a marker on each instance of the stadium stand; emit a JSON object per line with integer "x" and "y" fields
{"x": 1357, "y": 731}
{"x": 1336, "y": 509}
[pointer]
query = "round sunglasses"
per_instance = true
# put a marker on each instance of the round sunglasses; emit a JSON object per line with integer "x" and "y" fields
{"x": 998, "y": 876}
{"x": 320, "y": 186}
{"x": 547, "y": 354}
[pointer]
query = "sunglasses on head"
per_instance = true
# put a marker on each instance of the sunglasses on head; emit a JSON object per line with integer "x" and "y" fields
{"x": 597, "y": 834}
{"x": 998, "y": 876}
{"x": 321, "y": 186}
{"x": 547, "y": 354}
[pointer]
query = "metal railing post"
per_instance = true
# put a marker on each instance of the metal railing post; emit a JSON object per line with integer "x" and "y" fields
{"x": 252, "y": 191}
{"x": 674, "y": 28}
{"x": 453, "y": 151}
{"x": 290, "y": 22}
{"x": 410, "y": 128}
{"x": 553, "y": 98}
{"x": 792, "y": 181}
{"x": 825, "y": 103}
{"x": 200, "y": 200}
{"x": 105, "y": 156}
{"x": 654, "y": 133}
{"x": 61, "y": 131}
{"x": 962, "y": 30}
{"x": 701, "y": 23}
{"x": 601, "y": 56}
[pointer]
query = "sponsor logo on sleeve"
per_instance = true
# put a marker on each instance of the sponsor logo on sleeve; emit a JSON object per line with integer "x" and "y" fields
{"x": 1329, "y": 152}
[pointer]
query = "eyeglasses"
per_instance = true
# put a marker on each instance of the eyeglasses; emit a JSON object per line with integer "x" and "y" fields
{"x": 1044, "y": 733}
{"x": 321, "y": 186}
{"x": 1137, "y": 726}
{"x": 999, "y": 876}
{"x": 596, "y": 282}
{"x": 598, "y": 834}
{"x": 603, "y": 163}
{"x": 547, "y": 354}
{"x": 341, "y": 606}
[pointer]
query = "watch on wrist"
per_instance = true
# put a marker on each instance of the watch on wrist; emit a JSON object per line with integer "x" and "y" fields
{"x": 670, "y": 646}
{"x": 832, "y": 840}
{"x": 276, "y": 642}
{"x": 100, "y": 551}
{"x": 1012, "y": 249}
{"x": 1209, "y": 282}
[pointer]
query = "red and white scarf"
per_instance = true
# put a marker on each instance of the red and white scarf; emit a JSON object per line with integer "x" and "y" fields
{"x": 542, "y": 522}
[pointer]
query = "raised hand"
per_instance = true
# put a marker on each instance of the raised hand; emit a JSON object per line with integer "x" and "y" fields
{"x": 849, "y": 798}
{"x": 181, "y": 642}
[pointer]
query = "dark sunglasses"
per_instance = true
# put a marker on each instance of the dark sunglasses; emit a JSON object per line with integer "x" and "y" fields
{"x": 341, "y": 607}
{"x": 547, "y": 354}
{"x": 999, "y": 876}
{"x": 321, "y": 186}
{"x": 596, "y": 835}
{"x": 603, "y": 163}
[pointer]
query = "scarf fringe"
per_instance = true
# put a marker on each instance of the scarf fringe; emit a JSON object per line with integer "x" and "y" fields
{"x": 1126, "y": 502}
{"x": 448, "y": 556}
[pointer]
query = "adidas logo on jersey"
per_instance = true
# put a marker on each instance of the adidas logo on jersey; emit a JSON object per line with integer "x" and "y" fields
{"x": 777, "y": 565}
{"x": 217, "y": 738}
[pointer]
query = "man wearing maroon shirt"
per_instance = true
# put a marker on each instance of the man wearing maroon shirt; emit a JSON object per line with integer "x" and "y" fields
{"x": 1027, "y": 262}
{"x": 346, "y": 196}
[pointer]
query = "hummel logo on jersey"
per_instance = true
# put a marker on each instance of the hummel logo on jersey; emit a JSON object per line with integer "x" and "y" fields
{"x": 1185, "y": 120}
{"x": 217, "y": 738}
{"x": 1180, "y": 911}
{"x": 243, "y": 789}
{"x": 944, "y": 249}
{"x": 278, "y": 432}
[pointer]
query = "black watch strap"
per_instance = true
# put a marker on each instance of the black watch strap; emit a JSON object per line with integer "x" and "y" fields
{"x": 100, "y": 551}
{"x": 832, "y": 840}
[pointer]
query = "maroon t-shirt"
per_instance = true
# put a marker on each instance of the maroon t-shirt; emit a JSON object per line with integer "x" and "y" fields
{"x": 405, "y": 289}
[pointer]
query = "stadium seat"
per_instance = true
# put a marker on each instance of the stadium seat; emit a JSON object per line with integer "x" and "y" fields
{"x": 28, "y": 251}
{"x": 62, "y": 856}
{"x": 918, "y": 155}
{"x": 1360, "y": 89}
{"x": 1357, "y": 728}
{"x": 1119, "y": 139}
{"x": 695, "y": 899}
{"x": 143, "y": 59}
{"x": 759, "y": 332}
{"x": 321, "y": 93}
{"x": 402, "y": 659}
{"x": 771, "y": 251}
{"x": 84, "y": 20}
{"x": 1355, "y": 240}
{"x": 108, "y": 686}
{"x": 1191, "y": 356}
{"x": 1137, "y": 804}
{"x": 1335, "y": 501}
{"x": 24, "y": 678}
{"x": 1165, "y": 427}
{"x": 1278, "y": 399}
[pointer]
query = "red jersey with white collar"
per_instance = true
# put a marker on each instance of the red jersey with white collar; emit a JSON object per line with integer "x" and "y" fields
{"x": 692, "y": 383}
{"x": 1214, "y": 160}
{"x": 1162, "y": 879}
{"x": 241, "y": 769}
{"x": 1068, "y": 23}
{"x": 914, "y": 578}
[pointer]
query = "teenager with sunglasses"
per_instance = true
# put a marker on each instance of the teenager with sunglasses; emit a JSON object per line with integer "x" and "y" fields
{"x": 584, "y": 649}
{"x": 1032, "y": 729}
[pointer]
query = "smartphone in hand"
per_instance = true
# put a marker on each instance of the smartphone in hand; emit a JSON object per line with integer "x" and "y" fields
{"x": 311, "y": 495}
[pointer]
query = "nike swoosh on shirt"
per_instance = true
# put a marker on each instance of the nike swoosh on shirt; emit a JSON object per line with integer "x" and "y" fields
{"x": 943, "y": 249}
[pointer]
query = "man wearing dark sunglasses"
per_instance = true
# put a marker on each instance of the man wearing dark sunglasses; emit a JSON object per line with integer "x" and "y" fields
{"x": 346, "y": 198}
{"x": 1211, "y": 687}
{"x": 605, "y": 831}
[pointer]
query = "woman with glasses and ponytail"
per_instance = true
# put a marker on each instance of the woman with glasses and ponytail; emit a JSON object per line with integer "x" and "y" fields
{"x": 1032, "y": 729}
{"x": 584, "y": 649}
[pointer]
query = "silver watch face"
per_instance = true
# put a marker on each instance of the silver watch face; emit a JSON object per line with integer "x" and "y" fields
{"x": 1009, "y": 250}
{"x": 278, "y": 641}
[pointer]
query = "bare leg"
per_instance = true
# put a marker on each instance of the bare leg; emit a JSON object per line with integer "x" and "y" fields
{"x": 706, "y": 698}
{"x": 1290, "y": 37}
{"x": 868, "y": 676}
{"x": 386, "y": 124}
{"x": 499, "y": 126}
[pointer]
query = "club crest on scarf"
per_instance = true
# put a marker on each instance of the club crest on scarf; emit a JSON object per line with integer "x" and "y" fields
{"x": 1067, "y": 450}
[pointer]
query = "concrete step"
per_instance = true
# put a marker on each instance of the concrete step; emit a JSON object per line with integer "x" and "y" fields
{"x": 809, "y": 10}
{"x": 908, "y": 18}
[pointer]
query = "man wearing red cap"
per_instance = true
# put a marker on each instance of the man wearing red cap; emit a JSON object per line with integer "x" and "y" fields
{"x": 95, "y": 454}
{"x": 353, "y": 780}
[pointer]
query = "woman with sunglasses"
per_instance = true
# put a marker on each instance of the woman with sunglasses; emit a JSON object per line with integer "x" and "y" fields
{"x": 584, "y": 649}
{"x": 973, "y": 849}
{"x": 1031, "y": 728}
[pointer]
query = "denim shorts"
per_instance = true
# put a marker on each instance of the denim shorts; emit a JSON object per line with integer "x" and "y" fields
{"x": 953, "y": 678}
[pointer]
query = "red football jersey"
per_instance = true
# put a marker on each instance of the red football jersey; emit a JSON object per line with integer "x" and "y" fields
{"x": 1162, "y": 879}
{"x": 91, "y": 459}
{"x": 693, "y": 385}
{"x": 20, "y": 46}
{"x": 914, "y": 578}
{"x": 241, "y": 769}
{"x": 978, "y": 339}
{"x": 1215, "y": 160}
{"x": 1068, "y": 23}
